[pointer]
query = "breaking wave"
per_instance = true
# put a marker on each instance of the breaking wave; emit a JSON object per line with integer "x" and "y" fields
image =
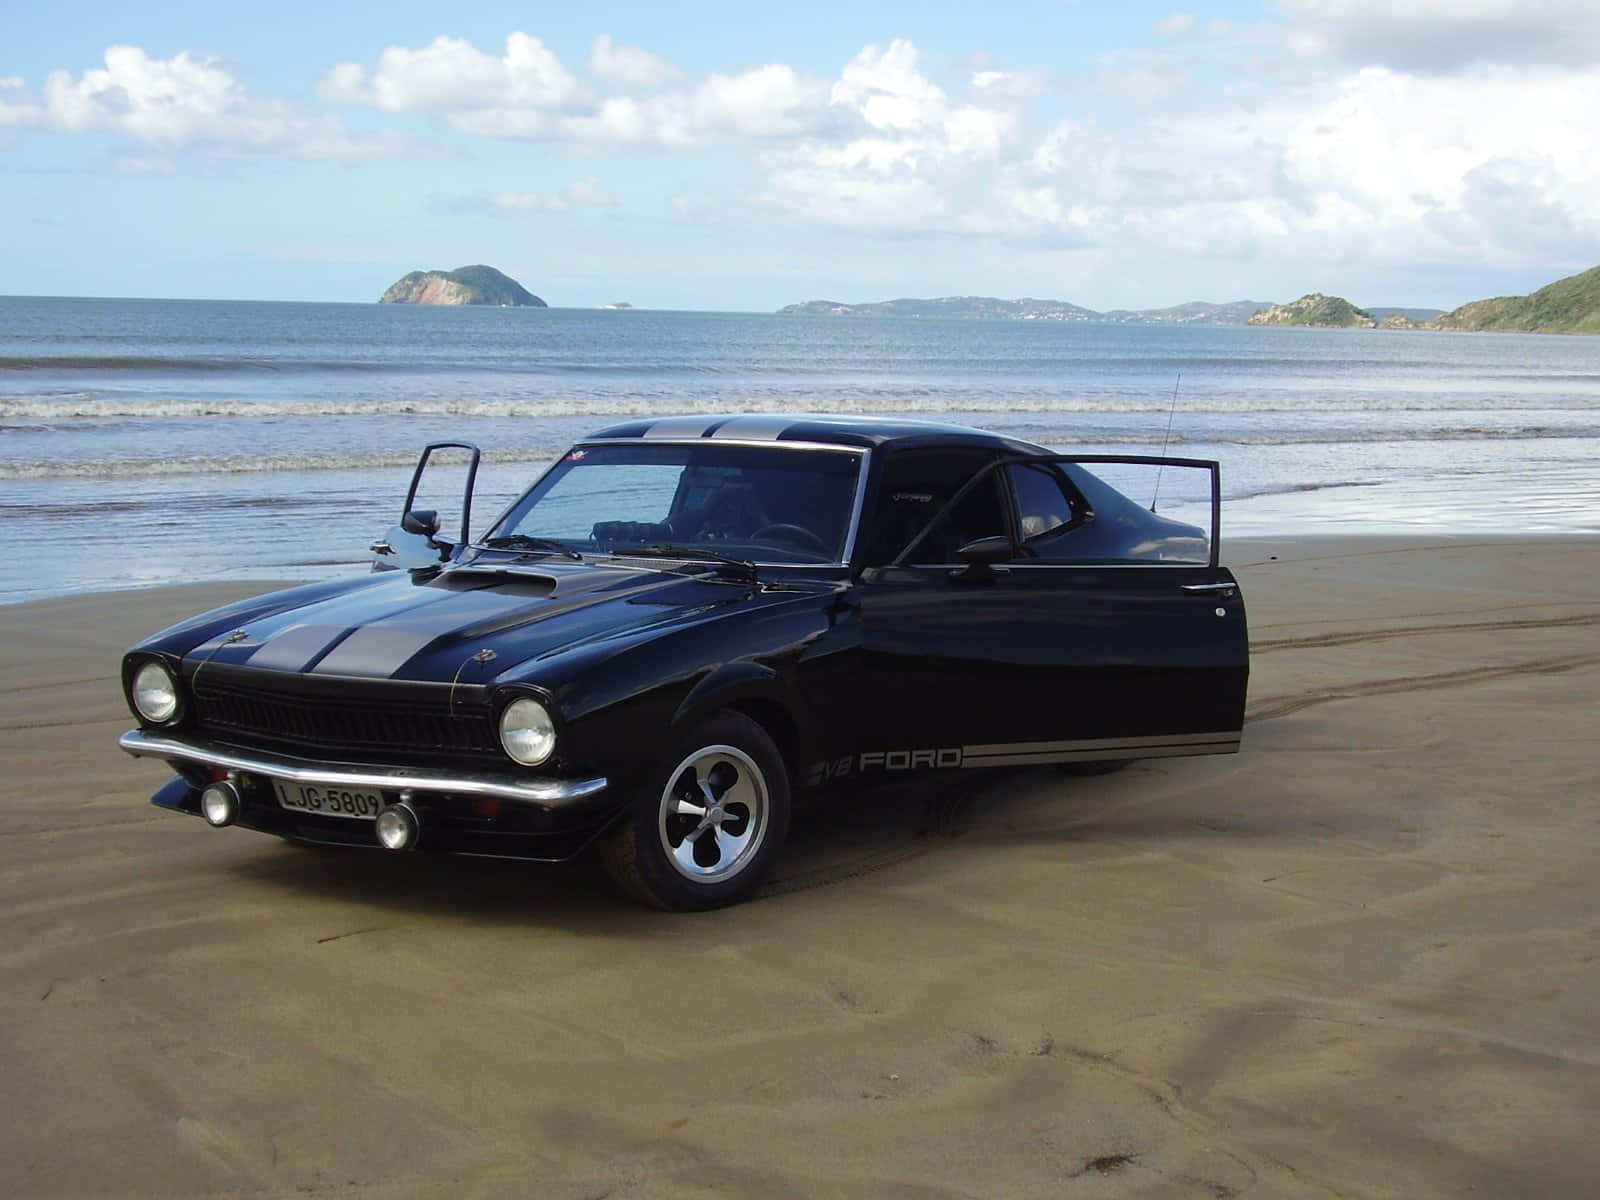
{"x": 232, "y": 465}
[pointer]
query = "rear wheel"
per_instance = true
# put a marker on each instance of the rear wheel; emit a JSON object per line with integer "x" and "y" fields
{"x": 703, "y": 829}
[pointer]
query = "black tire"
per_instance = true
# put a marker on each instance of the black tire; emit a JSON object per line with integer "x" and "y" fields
{"x": 704, "y": 828}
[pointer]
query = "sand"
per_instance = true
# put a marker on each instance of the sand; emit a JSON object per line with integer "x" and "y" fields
{"x": 1361, "y": 958}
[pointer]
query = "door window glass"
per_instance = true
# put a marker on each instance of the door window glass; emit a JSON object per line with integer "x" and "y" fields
{"x": 916, "y": 486}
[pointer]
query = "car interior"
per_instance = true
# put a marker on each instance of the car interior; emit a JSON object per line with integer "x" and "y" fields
{"x": 915, "y": 485}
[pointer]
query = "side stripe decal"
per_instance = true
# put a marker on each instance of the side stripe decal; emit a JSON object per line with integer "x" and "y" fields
{"x": 1017, "y": 754}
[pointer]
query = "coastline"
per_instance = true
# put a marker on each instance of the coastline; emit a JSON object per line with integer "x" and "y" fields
{"x": 1357, "y": 957}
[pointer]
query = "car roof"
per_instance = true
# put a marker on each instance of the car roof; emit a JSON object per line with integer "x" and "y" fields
{"x": 817, "y": 428}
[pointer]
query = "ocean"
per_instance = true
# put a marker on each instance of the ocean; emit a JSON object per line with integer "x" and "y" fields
{"x": 154, "y": 441}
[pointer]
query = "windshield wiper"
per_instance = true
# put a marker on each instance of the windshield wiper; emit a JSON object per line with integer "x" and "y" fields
{"x": 692, "y": 553}
{"x": 527, "y": 541}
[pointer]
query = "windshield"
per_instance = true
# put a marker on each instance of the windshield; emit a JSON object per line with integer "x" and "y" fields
{"x": 772, "y": 504}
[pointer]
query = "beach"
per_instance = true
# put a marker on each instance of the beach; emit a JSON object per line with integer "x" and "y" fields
{"x": 1360, "y": 958}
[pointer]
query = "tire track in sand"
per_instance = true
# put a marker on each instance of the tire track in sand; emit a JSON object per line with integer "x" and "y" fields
{"x": 1281, "y": 706}
{"x": 1356, "y": 636}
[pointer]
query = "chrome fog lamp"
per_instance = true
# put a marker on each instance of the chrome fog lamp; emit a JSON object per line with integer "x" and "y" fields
{"x": 397, "y": 827}
{"x": 219, "y": 803}
{"x": 155, "y": 693}
{"x": 527, "y": 732}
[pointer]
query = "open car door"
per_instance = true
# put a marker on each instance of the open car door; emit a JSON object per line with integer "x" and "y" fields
{"x": 1067, "y": 623}
{"x": 417, "y": 542}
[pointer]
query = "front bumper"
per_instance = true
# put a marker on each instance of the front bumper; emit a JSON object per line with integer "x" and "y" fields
{"x": 467, "y": 812}
{"x": 540, "y": 793}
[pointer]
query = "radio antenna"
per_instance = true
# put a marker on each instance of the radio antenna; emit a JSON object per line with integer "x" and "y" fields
{"x": 1171, "y": 412}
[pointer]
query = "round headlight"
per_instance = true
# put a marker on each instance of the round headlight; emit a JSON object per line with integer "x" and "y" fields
{"x": 155, "y": 693}
{"x": 527, "y": 732}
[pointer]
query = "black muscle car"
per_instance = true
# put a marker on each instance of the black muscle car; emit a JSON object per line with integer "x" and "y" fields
{"x": 686, "y": 622}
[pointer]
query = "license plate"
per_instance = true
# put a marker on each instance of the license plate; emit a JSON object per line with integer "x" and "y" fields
{"x": 329, "y": 801}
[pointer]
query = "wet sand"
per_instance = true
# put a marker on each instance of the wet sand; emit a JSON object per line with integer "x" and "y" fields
{"x": 1361, "y": 958}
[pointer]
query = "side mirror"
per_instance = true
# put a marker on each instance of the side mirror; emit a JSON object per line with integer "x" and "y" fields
{"x": 980, "y": 556}
{"x": 986, "y": 551}
{"x": 423, "y": 521}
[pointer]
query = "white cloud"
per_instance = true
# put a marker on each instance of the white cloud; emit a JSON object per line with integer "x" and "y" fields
{"x": 528, "y": 94}
{"x": 175, "y": 103}
{"x": 1175, "y": 23}
{"x": 764, "y": 102}
{"x": 584, "y": 193}
{"x": 1379, "y": 165}
{"x": 1443, "y": 35}
{"x": 1493, "y": 164}
{"x": 905, "y": 158}
{"x": 1016, "y": 87}
{"x": 343, "y": 83}
{"x": 1316, "y": 162}
{"x": 886, "y": 89}
{"x": 628, "y": 66}
{"x": 164, "y": 102}
{"x": 451, "y": 73}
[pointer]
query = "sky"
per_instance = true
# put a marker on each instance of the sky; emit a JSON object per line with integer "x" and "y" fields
{"x": 743, "y": 157}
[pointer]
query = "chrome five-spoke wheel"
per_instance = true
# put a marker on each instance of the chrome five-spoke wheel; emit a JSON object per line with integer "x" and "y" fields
{"x": 713, "y": 814}
{"x": 703, "y": 833}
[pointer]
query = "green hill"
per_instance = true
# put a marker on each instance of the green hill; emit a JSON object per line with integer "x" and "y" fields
{"x": 1570, "y": 305}
{"x": 1315, "y": 309}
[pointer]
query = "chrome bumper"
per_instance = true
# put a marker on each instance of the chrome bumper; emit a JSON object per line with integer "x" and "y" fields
{"x": 540, "y": 793}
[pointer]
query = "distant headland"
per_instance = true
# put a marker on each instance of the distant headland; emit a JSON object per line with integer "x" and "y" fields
{"x": 1570, "y": 305}
{"x": 476, "y": 284}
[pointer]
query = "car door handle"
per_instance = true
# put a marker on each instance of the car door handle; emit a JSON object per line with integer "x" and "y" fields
{"x": 1226, "y": 589}
{"x": 381, "y": 547}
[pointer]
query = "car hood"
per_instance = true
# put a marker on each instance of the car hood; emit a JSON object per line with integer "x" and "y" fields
{"x": 473, "y": 623}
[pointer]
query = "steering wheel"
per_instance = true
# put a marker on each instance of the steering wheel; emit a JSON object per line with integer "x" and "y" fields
{"x": 799, "y": 535}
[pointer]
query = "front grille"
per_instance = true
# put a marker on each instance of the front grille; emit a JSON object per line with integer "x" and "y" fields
{"x": 359, "y": 728}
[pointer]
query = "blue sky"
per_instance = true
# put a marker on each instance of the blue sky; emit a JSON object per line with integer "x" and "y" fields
{"x": 739, "y": 156}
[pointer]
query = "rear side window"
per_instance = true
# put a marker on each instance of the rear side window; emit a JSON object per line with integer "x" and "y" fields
{"x": 1067, "y": 513}
{"x": 1047, "y": 504}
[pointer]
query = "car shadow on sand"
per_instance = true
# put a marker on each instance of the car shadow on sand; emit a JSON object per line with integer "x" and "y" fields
{"x": 838, "y": 835}
{"x": 834, "y": 836}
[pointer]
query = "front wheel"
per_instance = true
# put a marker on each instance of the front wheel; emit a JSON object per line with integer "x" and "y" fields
{"x": 703, "y": 829}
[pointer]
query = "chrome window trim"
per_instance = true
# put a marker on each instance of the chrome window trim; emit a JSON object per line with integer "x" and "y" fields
{"x": 863, "y": 471}
{"x": 749, "y": 443}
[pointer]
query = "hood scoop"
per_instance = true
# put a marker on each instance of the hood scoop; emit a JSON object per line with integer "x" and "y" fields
{"x": 526, "y": 577}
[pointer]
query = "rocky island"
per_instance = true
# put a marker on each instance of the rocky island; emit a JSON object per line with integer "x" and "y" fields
{"x": 476, "y": 284}
{"x": 1328, "y": 312}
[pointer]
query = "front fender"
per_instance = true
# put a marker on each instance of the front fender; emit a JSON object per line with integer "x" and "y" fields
{"x": 761, "y": 693}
